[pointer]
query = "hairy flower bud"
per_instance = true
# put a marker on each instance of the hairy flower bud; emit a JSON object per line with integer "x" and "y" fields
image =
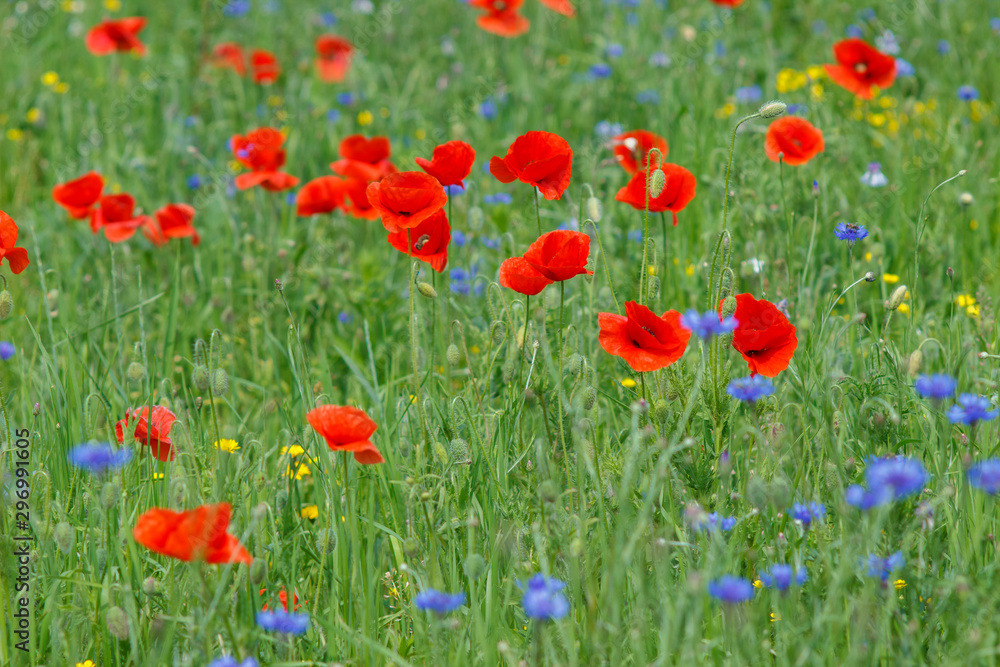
{"x": 64, "y": 536}
{"x": 452, "y": 355}
{"x": 6, "y": 304}
{"x": 773, "y": 109}
{"x": 136, "y": 372}
{"x": 589, "y": 398}
{"x": 656, "y": 182}
{"x": 109, "y": 495}
{"x": 220, "y": 382}
{"x": 427, "y": 290}
{"x": 660, "y": 410}
{"x": 117, "y": 623}
{"x": 475, "y": 566}
{"x": 440, "y": 453}
{"x": 916, "y": 362}
{"x": 728, "y": 306}
{"x": 258, "y": 571}
{"x": 594, "y": 209}
{"x": 897, "y": 297}
{"x": 476, "y": 217}
{"x": 200, "y": 377}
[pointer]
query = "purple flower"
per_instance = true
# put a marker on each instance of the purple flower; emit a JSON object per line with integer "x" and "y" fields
{"x": 943, "y": 47}
{"x": 708, "y": 324}
{"x": 345, "y": 99}
{"x": 749, "y": 94}
{"x": 850, "y": 232}
{"x": 498, "y": 198}
{"x": 606, "y": 129}
{"x": 904, "y": 68}
{"x": 888, "y": 480}
{"x": 488, "y": 109}
{"x": 230, "y": 661}
{"x": 288, "y": 623}
{"x": 968, "y": 93}
{"x": 235, "y": 9}
{"x": 936, "y": 387}
{"x": 782, "y": 576}
{"x": 883, "y": 567}
{"x": 7, "y": 350}
{"x": 730, "y": 589}
{"x": 98, "y": 457}
{"x": 194, "y": 182}
{"x": 971, "y": 409}
{"x": 873, "y": 176}
{"x": 542, "y": 599}
{"x": 985, "y": 476}
{"x": 614, "y": 50}
{"x": 600, "y": 71}
{"x": 854, "y": 31}
{"x": 750, "y": 389}
{"x": 712, "y": 522}
{"x": 807, "y": 513}
{"x": 439, "y": 602}
{"x": 458, "y": 237}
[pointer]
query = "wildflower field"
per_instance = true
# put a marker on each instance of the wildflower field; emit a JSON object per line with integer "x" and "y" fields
{"x": 499, "y": 332}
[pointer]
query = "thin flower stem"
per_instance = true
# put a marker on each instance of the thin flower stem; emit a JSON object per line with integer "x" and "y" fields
{"x": 346, "y": 581}
{"x": 538, "y": 216}
{"x": 812, "y": 238}
{"x": 604, "y": 258}
{"x": 559, "y": 382}
{"x": 413, "y": 344}
{"x": 788, "y": 223}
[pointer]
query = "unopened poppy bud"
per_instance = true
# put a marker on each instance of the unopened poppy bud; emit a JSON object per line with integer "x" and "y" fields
{"x": 258, "y": 571}
{"x": 220, "y": 382}
{"x": 656, "y": 182}
{"x": 850, "y": 465}
{"x": 576, "y": 547}
{"x": 259, "y": 511}
{"x": 326, "y": 540}
{"x": 916, "y": 362}
{"x": 728, "y": 306}
{"x": 427, "y": 290}
{"x": 870, "y": 277}
{"x": 594, "y": 209}
{"x": 136, "y": 372}
{"x": 411, "y": 547}
{"x": 117, "y": 623}
{"x": 589, "y": 398}
{"x": 452, "y": 355}
{"x": 440, "y": 453}
{"x": 6, "y": 304}
{"x": 858, "y": 318}
{"x": 548, "y": 492}
{"x": 475, "y": 566}
{"x": 149, "y": 586}
{"x": 497, "y": 330}
{"x": 476, "y": 217}
{"x": 780, "y": 492}
{"x": 102, "y": 558}
{"x": 654, "y": 287}
{"x": 773, "y": 109}
{"x": 281, "y": 498}
{"x": 659, "y": 411}
{"x": 200, "y": 377}
{"x": 896, "y": 298}
{"x": 109, "y": 495}
{"x": 64, "y": 536}
{"x": 508, "y": 370}
{"x": 459, "y": 450}
{"x": 728, "y": 278}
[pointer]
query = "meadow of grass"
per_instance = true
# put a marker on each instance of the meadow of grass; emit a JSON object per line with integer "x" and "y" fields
{"x": 527, "y": 448}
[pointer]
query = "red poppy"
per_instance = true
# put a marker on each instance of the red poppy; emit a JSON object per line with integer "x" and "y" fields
{"x": 364, "y": 159}
{"x": 229, "y": 55}
{"x": 729, "y": 3}
{"x": 541, "y": 159}
{"x": 261, "y": 152}
{"x": 334, "y": 59}
{"x": 450, "y": 164}
{"x": 346, "y": 429}
{"x": 519, "y": 275}
{"x": 429, "y": 240}
{"x": 406, "y": 199}
{"x": 764, "y": 336}
{"x": 357, "y": 203}
{"x": 560, "y": 255}
{"x": 283, "y": 599}
{"x": 198, "y": 534}
{"x": 795, "y": 138}
{"x": 16, "y": 257}
{"x": 173, "y": 221}
{"x": 321, "y": 195}
{"x": 79, "y": 195}
{"x": 678, "y": 191}
{"x": 646, "y": 342}
{"x": 121, "y": 35}
{"x": 564, "y": 7}
{"x": 265, "y": 67}
{"x": 115, "y": 214}
{"x": 501, "y": 17}
{"x": 155, "y": 432}
{"x": 632, "y": 149}
{"x": 861, "y": 67}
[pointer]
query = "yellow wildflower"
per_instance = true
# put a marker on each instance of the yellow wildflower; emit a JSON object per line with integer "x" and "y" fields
{"x": 904, "y": 309}
{"x": 890, "y": 278}
{"x": 726, "y": 110}
{"x": 50, "y": 78}
{"x": 651, "y": 270}
{"x": 112, "y": 5}
{"x": 899, "y": 583}
{"x": 293, "y": 451}
{"x": 34, "y": 113}
{"x": 972, "y": 311}
{"x": 14, "y": 134}
{"x": 815, "y": 72}
{"x": 789, "y": 80}
{"x": 275, "y": 100}
{"x": 816, "y": 92}
{"x": 61, "y": 87}
{"x": 628, "y": 383}
{"x": 227, "y": 445}
{"x": 963, "y": 300}
{"x": 563, "y": 60}
{"x": 877, "y": 119}
{"x": 420, "y": 134}
{"x": 365, "y": 118}
{"x": 309, "y": 512}
{"x": 973, "y": 224}
{"x": 757, "y": 583}
{"x": 157, "y": 475}
{"x": 689, "y": 270}
{"x": 474, "y": 349}
{"x": 299, "y": 471}
{"x": 86, "y": 663}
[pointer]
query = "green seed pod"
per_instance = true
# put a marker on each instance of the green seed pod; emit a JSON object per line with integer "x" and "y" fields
{"x": 427, "y": 290}
{"x": 109, "y": 495}
{"x": 220, "y": 382}
{"x": 660, "y": 411}
{"x": 897, "y": 297}
{"x": 281, "y": 499}
{"x": 326, "y": 539}
{"x": 200, "y": 377}
{"x": 136, "y": 372}
{"x": 440, "y": 453}
{"x": 508, "y": 370}
{"x": 64, "y": 536}
{"x": 773, "y": 109}
{"x": 452, "y": 355}
{"x": 728, "y": 306}
{"x": 459, "y": 450}
{"x": 149, "y": 586}
{"x": 258, "y": 571}
{"x": 728, "y": 277}
{"x": 589, "y": 398}
{"x": 117, "y": 623}
{"x": 594, "y": 209}
{"x": 476, "y": 218}
{"x": 411, "y": 548}
{"x": 497, "y": 331}
{"x": 656, "y": 183}
{"x": 6, "y": 304}
{"x": 102, "y": 558}
{"x": 475, "y": 566}
{"x": 548, "y": 492}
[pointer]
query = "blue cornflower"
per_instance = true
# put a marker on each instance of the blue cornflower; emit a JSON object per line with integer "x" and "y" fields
{"x": 708, "y": 324}
{"x": 730, "y": 589}
{"x": 606, "y": 129}
{"x": 749, "y": 94}
{"x": 782, "y": 576}
{"x": 194, "y": 181}
{"x": 971, "y": 409}
{"x": 888, "y": 480}
{"x": 938, "y": 387}
{"x": 850, "y": 232}
{"x": 234, "y": 9}
{"x": 492, "y": 244}
{"x": 797, "y": 109}
{"x": 455, "y": 190}
{"x": 488, "y": 109}
{"x": 345, "y": 99}
{"x": 498, "y": 198}
{"x": 190, "y": 121}
{"x": 328, "y": 19}
{"x": 873, "y": 176}
{"x": 854, "y": 31}
{"x": 458, "y": 237}
{"x": 883, "y": 567}
{"x": 886, "y": 43}
{"x": 648, "y": 97}
{"x": 459, "y": 280}
{"x": 7, "y": 350}
{"x": 288, "y": 623}
{"x": 290, "y": 198}
{"x": 333, "y": 115}
{"x": 750, "y": 389}
{"x": 634, "y": 235}
{"x": 230, "y": 661}
{"x": 614, "y": 51}
{"x": 712, "y": 522}
{"x": 542, "y": 599}
{"x": 659, "y": 59}
{"x": 995, "y": 25}
{"x": 807, "y": 513}
{"x": 943, "y": 47}
{"x": 600, "y": 71}
{"x": 866, "y": 14}
{"x": 819, "y": 27}
{"x": 985, "y": 476}
{"x": 345, "y": 317}
{"x": 96, "y": 457}
{"x": 438, "y": 602}
{"x": 904, "y": 68}
{"x": 968, "y": 93}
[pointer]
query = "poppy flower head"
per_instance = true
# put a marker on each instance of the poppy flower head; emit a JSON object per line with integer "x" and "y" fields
{"x": 198, "y": 534}
{"x": 632, "y": 149}
{"x": 501, "y": 17}
{"x": 795, "y": 138}
{"x": 540, "y": 159}
{"x": 643, "y": 340}
{"x": 173, "y": 221}
{"x": 860, "y": 67}
{"x": 345, "y": 429}
{"x": 678, "y": 191}
{"x": 321, "y": 195}
{"x": 261, "y": 152}
{"x": 428, "y": 241}
{"x": 16, "y": 257}
{"x": 356, "y": 200}
{"x": 450, "y": 163}
{"x": 121, "y": 35}
{"x": 229, "y": 55}
{"x": 559, "y": 255}
{"x": 405, "y": 199}
{"x": 153, "y": 432}
{"x": 564, "y": 7}
{"x": 334, "y": 58}
{"x": 519, "y": 275}
{"x": 728, "y": 3}
{"x": 764, "y": 336}
{"x": 364, "y": 159}
{"x": 79, "y": 195}
{"x": 115, "y": 215}
{"x": 265, "y": 67}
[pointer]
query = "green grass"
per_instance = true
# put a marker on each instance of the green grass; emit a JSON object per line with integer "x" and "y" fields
{"x": 609, "y": 518}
